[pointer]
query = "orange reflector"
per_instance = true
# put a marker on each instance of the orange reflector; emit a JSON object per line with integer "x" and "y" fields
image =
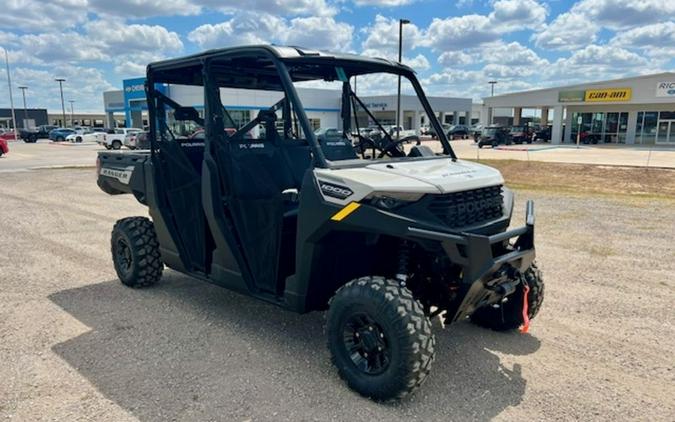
{"x": 526, "y": 318}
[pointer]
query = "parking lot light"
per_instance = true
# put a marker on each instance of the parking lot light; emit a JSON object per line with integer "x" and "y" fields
{"x": 63, "y": 105}
{"x": 25, "y": 110}
{"x": 401, "y": 22}
{"x": 492, "y": 88}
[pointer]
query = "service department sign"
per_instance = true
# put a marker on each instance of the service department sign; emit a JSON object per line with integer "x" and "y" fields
{"x": 665, "y": 89}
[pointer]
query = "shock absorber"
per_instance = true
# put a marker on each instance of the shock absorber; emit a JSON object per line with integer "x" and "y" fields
{"x": 403, "y": 262}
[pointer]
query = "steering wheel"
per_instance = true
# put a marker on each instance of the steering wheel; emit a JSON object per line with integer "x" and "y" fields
{"x": 365, "y": 143}
{"x": 395, "y": 148}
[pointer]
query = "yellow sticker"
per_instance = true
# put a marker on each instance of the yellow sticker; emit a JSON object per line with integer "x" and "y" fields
{"x": 344, "y": 212}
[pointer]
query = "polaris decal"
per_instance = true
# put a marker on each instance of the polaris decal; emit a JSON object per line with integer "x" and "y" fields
{"x": 123, "y": 175}
{"x": 335, "y": 191}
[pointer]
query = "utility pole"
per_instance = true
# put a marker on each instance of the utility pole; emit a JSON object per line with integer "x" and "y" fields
{"x": 71, "y": 113}
{"x": 401, "y": 22}
{"x": 492, "y": 88}
{"x": 11, "y": 99}
{"x": 25, "y": 109}
{"x": 63, "y": 105}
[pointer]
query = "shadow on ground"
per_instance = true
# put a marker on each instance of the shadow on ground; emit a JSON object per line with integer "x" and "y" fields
{"x": 188, "y": 350}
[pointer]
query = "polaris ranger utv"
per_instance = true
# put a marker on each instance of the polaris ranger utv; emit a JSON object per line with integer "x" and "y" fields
{"x": 383, "y": 238}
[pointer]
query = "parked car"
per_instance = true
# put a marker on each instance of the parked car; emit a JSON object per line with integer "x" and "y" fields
{"x": 8, "y": 135}
{"x": 86, "y": 136}
{"x": 140, "y": 140}
{"x": 542, "y": 133}
{"x": 494, "y": 135}
{"x": 40, "y": 132}
{"x": 587, "y": 137}
{"x": 521, "y": 134}
{"x": 60, "y": 134}
{"x": 4, "y": 145}
{"x": 328, "y": 134}
{"x": 432, "y": 131}
{"x": 475, "y": 131}
{"x": 402, "y": 133}
{"x": 458, "y": 131}
{"x": 114, "y": 138}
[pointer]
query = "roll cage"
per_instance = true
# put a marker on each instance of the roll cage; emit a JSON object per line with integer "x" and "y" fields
{"x": 270, "y": 68}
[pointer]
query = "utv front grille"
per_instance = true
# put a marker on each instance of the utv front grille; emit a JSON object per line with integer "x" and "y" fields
{"x": 468, "y": 208}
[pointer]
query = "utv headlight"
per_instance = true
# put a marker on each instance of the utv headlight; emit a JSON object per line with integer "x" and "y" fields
{"x": 392, "y": 200}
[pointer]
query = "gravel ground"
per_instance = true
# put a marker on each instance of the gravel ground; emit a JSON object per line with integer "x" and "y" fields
{"x": 77, "y": 345}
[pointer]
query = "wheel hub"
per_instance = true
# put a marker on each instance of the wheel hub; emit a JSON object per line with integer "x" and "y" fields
{"x": 366, "y": 344}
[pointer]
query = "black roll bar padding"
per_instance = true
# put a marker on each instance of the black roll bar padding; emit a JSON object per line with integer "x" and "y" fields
{"x": 292, "y": 96}
{"x": 447, "y": 148}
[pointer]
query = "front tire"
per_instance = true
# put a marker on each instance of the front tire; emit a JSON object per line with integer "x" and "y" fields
{"x": 116, "y": 145}
{"x": 379, "y": 338}
{"x": 509, "y": 315}
{"x": 135, "y": 252}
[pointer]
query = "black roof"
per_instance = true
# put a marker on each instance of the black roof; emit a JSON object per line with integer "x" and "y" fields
{"x": 253, "y": 66}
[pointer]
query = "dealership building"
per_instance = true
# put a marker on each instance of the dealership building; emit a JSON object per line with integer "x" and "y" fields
{"x": 638, "y": 110}
{"x": 128, "y": 107}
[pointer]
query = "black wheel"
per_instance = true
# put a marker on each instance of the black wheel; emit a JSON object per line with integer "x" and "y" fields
{"x": 379, "y": 338}
{"x": 116, "y": 145}
{"x": 78, "y": 139}
{"x": 135, "y": 252}
{"x": 509, "y": 315}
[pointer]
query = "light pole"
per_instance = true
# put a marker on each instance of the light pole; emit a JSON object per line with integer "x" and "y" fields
{"x": 63, "y": 105}
{"x": 11, "y": 99}
{"x": 401, "y": 22}
{"x": 25, "y": 109}
{"x": 71, "y": 112}
{"x": 492, "y": 88}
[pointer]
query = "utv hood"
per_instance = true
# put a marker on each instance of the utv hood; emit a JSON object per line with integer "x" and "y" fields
{"x": 444, "y": 174}
{"x": 438, "y": 175}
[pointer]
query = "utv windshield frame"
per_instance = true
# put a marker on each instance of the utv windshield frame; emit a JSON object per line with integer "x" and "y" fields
{"x": 270, "y": 68}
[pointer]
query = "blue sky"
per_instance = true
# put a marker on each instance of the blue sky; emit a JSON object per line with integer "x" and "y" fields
{"x": 456, "y": 47}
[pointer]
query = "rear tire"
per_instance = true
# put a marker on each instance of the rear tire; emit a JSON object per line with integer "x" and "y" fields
{"x": 135, "y": 252}
{"x": 116, "y": 145}
{"x": 509, "y": 316}
{"x": 379, "y": 338}
{"x": 78, "y": 139}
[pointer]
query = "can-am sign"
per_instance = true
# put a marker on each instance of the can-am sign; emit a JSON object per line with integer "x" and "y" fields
{"x": 665, "y": 89}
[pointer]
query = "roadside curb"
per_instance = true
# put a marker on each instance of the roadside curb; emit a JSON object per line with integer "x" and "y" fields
{"x": 71, "y": 144}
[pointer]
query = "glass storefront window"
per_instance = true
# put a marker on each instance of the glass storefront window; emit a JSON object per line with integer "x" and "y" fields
{"x": 611, "y": 127}
{"x": 649, "y": 127}
{"x": 667, "y": 115}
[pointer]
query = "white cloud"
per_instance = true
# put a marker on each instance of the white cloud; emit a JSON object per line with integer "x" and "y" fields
{"x": 383, "y": 36}
{"x": 383, "y": 3}
{"x": 568, "y": 31}
{"x": 274, "y": 7}
{"x": 514, "y": 15}
{"x": 322, "y": 33}
{"x": 121, "y": 38}
{"x": 144, "y": 8}
{"x": 314, "y": 32}
{"x": 460, "y": 33}
{"x": 654, "y": 39}
{"x": 35, "y": 15}
{"x": 617, "y": 14}
{"x": 83, "y": 84}
{"x": 456, "y": 58}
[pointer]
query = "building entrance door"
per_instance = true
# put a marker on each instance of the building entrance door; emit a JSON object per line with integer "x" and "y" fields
{"x": 665, "y": 132}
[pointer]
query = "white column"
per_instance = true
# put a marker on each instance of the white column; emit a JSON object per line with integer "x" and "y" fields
{"x": 467, "y": 119}
{"x": 490, "y": 112}
{"x": 544, "y": 116}
{"x": 556, "y": 129}
{"x": 630, "y": 130}
{"x": 455, "y": 117}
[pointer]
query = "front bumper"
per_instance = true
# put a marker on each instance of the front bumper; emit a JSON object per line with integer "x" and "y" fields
{"x": 488, "y": 261}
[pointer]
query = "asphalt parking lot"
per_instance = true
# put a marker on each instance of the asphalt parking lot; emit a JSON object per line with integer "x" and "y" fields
{"x": 77, "y": 345}
{"x": 45, "y": 154}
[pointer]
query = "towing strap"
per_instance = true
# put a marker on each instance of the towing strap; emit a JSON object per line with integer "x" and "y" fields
{"x": 526, "y": 319}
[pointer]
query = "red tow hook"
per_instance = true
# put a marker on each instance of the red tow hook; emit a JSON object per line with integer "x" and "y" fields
{"x": 526, "y": 319}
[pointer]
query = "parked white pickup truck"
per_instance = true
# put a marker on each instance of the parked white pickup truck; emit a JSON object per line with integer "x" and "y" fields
{"x": 402, "y": 133}
{"x": 114, "y": 138}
